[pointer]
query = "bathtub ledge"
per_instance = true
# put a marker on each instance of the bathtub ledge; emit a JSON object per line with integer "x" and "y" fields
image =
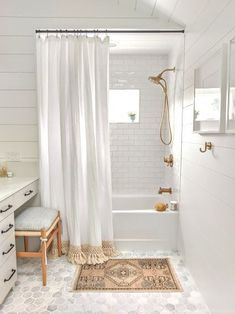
{"x": 144, "y": 211}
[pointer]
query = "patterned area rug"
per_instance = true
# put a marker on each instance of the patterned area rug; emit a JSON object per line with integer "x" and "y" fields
{"x": 133, "y": 275}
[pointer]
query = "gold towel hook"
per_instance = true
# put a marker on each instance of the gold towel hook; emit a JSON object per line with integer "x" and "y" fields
{"x": 207, "y": 146}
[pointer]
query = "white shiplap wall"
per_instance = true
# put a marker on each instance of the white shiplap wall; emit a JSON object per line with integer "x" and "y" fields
{"x": 18, "y": 112}
{"x": 207, "y": 213}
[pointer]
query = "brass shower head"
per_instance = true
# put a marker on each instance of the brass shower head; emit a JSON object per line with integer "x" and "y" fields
{"x": 158, "y": 78}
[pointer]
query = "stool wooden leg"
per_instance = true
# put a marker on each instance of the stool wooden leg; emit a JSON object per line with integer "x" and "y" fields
{"x": 44, "y": 256}
{"x": 26, "y": 243}
{"x": 59, "y": 245}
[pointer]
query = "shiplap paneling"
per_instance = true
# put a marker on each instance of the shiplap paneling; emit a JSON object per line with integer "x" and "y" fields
{"x": 211, "y": 40}
{"x": 188, "y": 96}
{"x": 188, "y": 114}
{"x": 220, "y": 159}
{"x": 26, "y": 150}
{"x": 18, "y": 133}
{"x": 189, "y": 11}
{"x": 17, "y": 45}
{"x": 206, "y": 22}
{"x": 18, "y": 81}
{"x": 17, "y": 63}
{"x": 18, "y": 98}
{"x": 207, "y": 206}
{"x": 218, "y": 140}
{"x": 211, "y": 233}
{"x": 212, "y": 182}
{"x": 21, "y": 116}
{"x": 78, "y": 8}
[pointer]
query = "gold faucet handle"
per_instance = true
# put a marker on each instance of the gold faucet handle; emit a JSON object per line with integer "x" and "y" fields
{"x": 164, "y": 190}
{"x": 169, "y": 160}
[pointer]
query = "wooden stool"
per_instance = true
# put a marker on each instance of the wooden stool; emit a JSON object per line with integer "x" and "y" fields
{"x": 39, "y": 222}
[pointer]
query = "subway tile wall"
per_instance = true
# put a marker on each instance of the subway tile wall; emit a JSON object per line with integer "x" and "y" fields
{"x": 136, "y": 151}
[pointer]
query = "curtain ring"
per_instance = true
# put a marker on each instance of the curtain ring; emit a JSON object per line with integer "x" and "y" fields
{"x": 47, "y": 33}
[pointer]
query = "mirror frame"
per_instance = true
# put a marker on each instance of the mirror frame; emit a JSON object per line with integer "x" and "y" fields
{"x": 223, "y": 94}
{"x": 228, "y": 129}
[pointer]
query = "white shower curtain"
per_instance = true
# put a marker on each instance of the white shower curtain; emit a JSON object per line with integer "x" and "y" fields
{"x": 74, "y": 142}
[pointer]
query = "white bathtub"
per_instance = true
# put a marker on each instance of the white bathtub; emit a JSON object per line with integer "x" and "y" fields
{"x": 137, "y": 226}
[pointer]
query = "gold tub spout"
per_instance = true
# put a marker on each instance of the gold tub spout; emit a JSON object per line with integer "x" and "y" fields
{"x": 165, "y": 190}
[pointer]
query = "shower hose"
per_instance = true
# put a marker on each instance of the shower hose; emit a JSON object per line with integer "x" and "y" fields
{"x": 165, "y": 115}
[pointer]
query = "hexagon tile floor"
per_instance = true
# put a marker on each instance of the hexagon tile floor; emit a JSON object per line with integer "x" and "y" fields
{"x": 29, "y": 296}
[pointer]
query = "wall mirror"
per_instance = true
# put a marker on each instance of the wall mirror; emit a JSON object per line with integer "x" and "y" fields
{"x": 230, "y": 122}
{"x": 210, "y": 94}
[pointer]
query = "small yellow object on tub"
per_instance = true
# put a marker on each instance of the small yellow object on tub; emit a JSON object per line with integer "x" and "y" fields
{"x": 161, "y": 207}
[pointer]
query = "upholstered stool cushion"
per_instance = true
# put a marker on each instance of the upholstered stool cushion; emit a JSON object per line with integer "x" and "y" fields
{"x": 35, "y": 218}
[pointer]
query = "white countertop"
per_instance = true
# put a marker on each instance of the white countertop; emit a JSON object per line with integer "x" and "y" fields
{"x": 9, "y": 186}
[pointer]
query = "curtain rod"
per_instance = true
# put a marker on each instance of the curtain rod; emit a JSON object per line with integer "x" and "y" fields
{"x": 111, "y": 31}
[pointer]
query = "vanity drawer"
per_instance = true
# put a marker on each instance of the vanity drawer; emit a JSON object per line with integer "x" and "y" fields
{"x": 10, "y": 204}
{"x": 7, "y": 248}
{"x": 25, "y": 194}
{"x": 7, "y": 207}
{"x": 8, "y": 276}
{"x": 7, "y": 228}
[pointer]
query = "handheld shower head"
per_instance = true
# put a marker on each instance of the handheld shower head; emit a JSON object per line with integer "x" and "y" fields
{"x": 158, "y": 78}
{"x": 155, "y": 79}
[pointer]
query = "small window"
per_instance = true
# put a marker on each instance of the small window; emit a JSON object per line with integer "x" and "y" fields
{"x": 124, "y": 105}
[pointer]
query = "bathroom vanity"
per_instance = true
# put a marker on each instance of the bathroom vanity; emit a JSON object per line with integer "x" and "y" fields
{"x": 14, "y": 192}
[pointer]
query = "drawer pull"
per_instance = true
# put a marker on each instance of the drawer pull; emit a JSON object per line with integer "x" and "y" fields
{"x": 28, "y": 193}
{"x": 5, "y": 210}
{"x": 12, "y": 274}
{"x": 9, "y": 228}
{"x": 11, "y": 247}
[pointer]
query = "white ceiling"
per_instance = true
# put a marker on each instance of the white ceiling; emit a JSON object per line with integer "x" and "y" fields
{"x": 183, "y": 12}
{"x": 151, "y": 9}
{"x": 186, "y": 13}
